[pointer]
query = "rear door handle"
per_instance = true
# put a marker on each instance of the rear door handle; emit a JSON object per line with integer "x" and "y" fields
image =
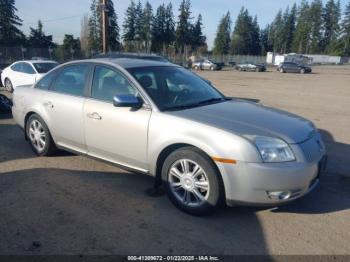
{"x": 49, "y": 104}
{"x": 94, "y": 115}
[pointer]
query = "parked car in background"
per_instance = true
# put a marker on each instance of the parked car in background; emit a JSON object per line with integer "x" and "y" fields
{"x": 25, "y": 73}
{"x": 250, "y": 67}
{"x": 162, "y": 120}
{"x": 290, "y": 67}
{"x": 143, "y": 56}
{"x": 206, "y": 64}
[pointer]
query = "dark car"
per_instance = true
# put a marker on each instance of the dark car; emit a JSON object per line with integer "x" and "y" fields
{"x": 151, "y": 57}
{"x": 290, "y": 67}
{"x": 252, "y": 67}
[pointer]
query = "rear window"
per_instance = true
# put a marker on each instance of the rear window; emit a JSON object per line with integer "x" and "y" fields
{"x": 43, "y": 68}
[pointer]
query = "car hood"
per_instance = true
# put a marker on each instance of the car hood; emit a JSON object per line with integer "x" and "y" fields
{"x": 246, "y": 118}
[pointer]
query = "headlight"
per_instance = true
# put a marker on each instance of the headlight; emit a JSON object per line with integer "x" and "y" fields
{"x": 273, "y": 149}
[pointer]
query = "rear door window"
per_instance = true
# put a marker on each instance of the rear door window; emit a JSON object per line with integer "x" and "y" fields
{"x": 71, "y": 80}
{"x": 27, "y": 69}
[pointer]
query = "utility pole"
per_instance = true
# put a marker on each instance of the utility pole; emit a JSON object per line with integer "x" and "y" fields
{"x": 104, "y": 9}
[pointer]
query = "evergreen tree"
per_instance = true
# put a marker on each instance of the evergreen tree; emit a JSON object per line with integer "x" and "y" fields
{"x": 138, "y": 22}
{"x": 277, "y": 33}
{"x": 246, "y": 35}
{"x": 95, "y": 33}
{"x": 289, "y": 20}
{"x": 70, "y": 48}
{"x": 198, "y": 39}
{"x": 255, "y": 44}
{"x": 169, "y": 30}
{"x": 129, "y": 26}
{"x": 222, "y": 39}
{"x": 38, "y": 39}
{"x": 158, "y": 29}
{"x": 113, "y": 38}
{"x": 345, "y": 31}
{"x": 183, "y": 30}
{"x": 147, "y": 18}
{"x": 10, "y": 34}
{"x": 331, "y": 18}
{"x": 316, "y": 26}
{"x": 265, "y": 40}
{"x": 301, "y": 43}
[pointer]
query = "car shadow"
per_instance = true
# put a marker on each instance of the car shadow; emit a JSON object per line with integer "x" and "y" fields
{"x": 88, "y": 212}
{"x": 338, "y": 155}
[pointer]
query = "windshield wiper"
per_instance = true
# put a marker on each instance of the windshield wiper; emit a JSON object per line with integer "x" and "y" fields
{"x": 201, "y": 103}
{"x": 213, "y": 100}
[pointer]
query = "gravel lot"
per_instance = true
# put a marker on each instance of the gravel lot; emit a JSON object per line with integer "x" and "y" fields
{"x": 74, "y": 205}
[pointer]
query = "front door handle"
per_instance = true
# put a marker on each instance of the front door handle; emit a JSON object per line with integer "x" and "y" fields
{"x": 94, "y": 115}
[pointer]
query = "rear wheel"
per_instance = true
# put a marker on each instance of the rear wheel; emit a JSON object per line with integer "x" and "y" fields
{"x": 193, "y": 183}
{"x": 8, "y": 85}
{"x": 39, "y": 136}
{"x": 302, "y": 71}
{"x": 282, "y": 70}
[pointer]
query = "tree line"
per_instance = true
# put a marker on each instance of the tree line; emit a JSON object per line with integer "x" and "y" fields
{"x": 307, "y": 28}
{"x": 147, "y": 30}
{"x": 311, "y": 27}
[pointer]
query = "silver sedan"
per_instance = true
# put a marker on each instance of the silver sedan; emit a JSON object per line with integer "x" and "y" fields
{"x": 164, "y": 121}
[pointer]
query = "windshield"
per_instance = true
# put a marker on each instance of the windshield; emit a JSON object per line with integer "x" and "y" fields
{"x": 43, "y": 68}
{"x": 174, "y": 88}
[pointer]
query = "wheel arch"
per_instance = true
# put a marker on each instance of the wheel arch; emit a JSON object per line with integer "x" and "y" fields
{"x": 171, "y": 148}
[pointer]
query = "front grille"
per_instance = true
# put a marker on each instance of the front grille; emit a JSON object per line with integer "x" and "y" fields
{"x": 312, "y": 148}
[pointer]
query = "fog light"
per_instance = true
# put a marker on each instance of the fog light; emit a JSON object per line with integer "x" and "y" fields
{"x": 279, "y": 195}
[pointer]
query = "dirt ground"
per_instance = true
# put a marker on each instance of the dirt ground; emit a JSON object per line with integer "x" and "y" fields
{"x": 70, "y": 204}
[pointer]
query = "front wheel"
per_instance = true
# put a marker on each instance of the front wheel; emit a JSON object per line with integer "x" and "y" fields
{"x": 302, "y": 71}
{"x": 39, "y": 136}
{"x": 193, "y": 183}
{"x": 8, "y": 85}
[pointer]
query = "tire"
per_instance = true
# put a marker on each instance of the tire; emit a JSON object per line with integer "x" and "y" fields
{"x": 196, "y": 68}
{"x": 240, "y": 69}
{"x": 211, "y": 68}
{"x": 196, "y": 195}
{"x": 282, "y": 70}
{"x": 302, "y": 71}
{"x": 39, "y": 136}
{"x": 5, "y": 104}
{"x": 257, "y": 70}
{"x": 8, "y": 85}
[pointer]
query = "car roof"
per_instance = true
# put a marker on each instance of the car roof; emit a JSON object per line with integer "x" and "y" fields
{"x": 129, "y": 62}
{"x": 35, "y": 61}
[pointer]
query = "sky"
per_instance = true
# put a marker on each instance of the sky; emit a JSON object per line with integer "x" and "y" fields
{"x": 62, "y": 17}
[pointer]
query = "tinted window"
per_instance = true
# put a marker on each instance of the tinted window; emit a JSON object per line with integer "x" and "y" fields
{"x": 43, "y": 68}
{"x": 27, "y": 69}
{"x": 17, "y": 67}
{"x": 71, "y": 80}
{"x": 46, "y": 81}
{"x": 107, "y": 83}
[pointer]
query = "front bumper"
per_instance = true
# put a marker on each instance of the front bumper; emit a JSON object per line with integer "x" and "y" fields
{"x": 252, "y": 183}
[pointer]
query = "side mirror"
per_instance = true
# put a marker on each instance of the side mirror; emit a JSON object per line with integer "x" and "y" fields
{"x": 127, "y": 101}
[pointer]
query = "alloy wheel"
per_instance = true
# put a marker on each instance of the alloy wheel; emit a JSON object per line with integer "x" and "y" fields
{"x": 8, "y": 85}
{"x": 189, "y": 183}
{"x": 37, "y": 135}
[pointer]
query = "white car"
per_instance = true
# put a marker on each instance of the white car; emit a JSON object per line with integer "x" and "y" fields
{"x": 25, "y": 73}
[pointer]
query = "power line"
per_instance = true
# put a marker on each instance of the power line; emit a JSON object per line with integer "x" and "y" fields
{"x": 58, "y": 19}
